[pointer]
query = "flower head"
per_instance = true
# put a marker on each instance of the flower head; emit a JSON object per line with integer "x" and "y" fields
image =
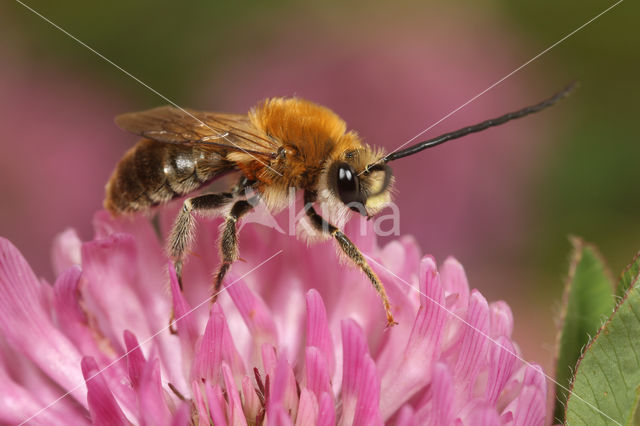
{"x": 296, "y": 338}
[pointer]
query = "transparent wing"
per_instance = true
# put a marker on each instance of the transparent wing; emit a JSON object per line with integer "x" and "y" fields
{"x": 183, "y": 126}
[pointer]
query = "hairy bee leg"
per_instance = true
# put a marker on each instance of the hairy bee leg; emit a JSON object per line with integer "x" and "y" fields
{"x": 229, "y": 241}
{"x": 182, "y": 232}
{"x": 350, "y": 249}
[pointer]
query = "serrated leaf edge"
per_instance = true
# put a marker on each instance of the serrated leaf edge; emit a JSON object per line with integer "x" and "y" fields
{"x": 625, "y": 270}
{"x": 579, "y": 245}
{"x": 631, "y": 288}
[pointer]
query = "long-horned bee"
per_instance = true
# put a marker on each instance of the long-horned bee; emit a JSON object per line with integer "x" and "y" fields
{"x": 281, "y": 143}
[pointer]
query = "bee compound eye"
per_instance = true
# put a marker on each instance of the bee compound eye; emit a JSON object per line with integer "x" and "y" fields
{"x": 348, "y": 187}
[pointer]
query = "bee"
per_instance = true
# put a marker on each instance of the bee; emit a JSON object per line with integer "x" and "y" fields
{"x": 281, "y": 143}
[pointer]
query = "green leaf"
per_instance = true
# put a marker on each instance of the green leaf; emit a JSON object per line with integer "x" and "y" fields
{"x": 588, "y": 300}
{"x": 606, "y": 388}
{"x": 629, "y": 275}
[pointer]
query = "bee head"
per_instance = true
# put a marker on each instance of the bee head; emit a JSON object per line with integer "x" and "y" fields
{"x": 365, "y": 190}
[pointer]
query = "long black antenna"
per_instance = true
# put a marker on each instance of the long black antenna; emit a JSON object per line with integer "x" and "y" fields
{"x": 477, "y": 127}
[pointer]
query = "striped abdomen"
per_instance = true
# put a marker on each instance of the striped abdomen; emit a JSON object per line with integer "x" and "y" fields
{"x": 154, "y": 172}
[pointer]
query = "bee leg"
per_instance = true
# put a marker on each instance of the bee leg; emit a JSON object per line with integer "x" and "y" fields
{"x": 350, "y": 249}
{"x": 172, "y": 323}
{"x": 229, "y": 241}
{"x": 182, "y": 232}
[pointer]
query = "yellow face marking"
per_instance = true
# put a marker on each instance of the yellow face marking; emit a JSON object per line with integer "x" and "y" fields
{"x": 378, "y": 202}
{"x": 376, "y": 182}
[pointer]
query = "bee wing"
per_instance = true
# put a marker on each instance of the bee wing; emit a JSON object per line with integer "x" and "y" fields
{"x": 182, "y": 126}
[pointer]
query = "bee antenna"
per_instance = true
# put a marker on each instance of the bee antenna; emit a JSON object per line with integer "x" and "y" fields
{"x": 476, "y": 127}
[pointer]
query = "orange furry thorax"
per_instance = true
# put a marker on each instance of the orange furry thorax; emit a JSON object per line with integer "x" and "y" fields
{"x": 312, "y": 129}
{"x": 309, "y": 133}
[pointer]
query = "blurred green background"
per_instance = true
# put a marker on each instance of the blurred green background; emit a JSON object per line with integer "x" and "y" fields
{"x": 505, "y": 209}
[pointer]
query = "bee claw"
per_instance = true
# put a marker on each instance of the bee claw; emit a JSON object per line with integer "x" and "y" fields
{"x": 213, "y": 300}
{"x": 390, "y": 321}
{"x": 172, "y": 324}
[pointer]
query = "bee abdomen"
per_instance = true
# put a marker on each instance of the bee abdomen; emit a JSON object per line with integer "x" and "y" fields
{"x": 154, "y": 172}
